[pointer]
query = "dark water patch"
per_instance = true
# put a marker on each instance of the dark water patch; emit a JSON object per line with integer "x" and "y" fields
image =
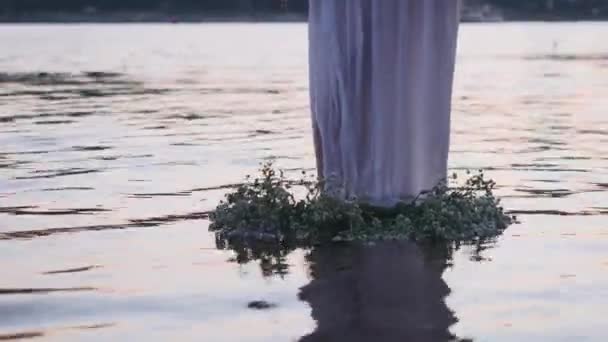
{"x": 187, "y": 117}
{"x": 49, "y": 97}
{"x": 281, "y": 157}
{"x": 57, "y": 212}
{"x": 126, "y": 156}
{"x": 546, "y": 180}
{"x": 36, "y": 93}
{"x": 593, "y": 131}
{"x": 549, "y": 170}
{"x": 185, "y": 144}
{"x": 68, "y": 188}
{"x": 109, "y": 92}
{"x": 134, "y": 223}
{"x": 172, "y": 218}
{"x": 554, "y": 213}
{"x": 59, "y": 173}
{"x": 240, "y": 91}
{"x": 96, "y": 93}
{"x": 174, "y": 163}
{"x": 102, "y": 74}
{"x": 37, "y": 78}
{"x": 18, "y": 117}
{"x": 557, "y": 193}
{"x": 533, "y": 165}
{"x": 539, "y": 149}
{"x": 107, "y": 158}
{"x": 80, "y": 114}
{"x": 570, "y": 158}
{"x": 26, "y": 291}
{"x": 496, "y": 168}
{"x": 35, "y": 334}
{"x": 261, "y": 305}
{"x": 547, "y": 142}
{"x": 259, "y": 132}
{"x": 21, "y": 336}
{"x": 95, "y": 326}
{"x": 66, "y": 79}
{"x": 496, "y": 140}
{"x": 560, "y": 128}
{"x": 150, "y": 91}
{"x": 567, "y": 57}
{"x": 72, "y": 270}
{"x": 191, "y": 134}
{"x": 14, "y": 164}
{"x": 160, "y": 127}
{"x": 28, "y": 152}
{"x": 90, "y": 148}
{"x": 54, "y": 122}
{"x": 6, "y": 119}
{"x": 220, "y": 187}
{"x": 29, "y": 234}
{"x": 12, "y": 209}
{"x": 168, "y": 194}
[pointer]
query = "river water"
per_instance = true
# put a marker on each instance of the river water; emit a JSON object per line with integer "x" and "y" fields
{"x": 115, "y": 140}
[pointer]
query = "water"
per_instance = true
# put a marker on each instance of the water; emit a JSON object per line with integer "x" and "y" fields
{"x": 117, "y": 139}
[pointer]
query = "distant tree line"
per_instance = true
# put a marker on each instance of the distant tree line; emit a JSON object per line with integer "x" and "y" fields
{"x": 575, "y": 8}
{"x": 560, "y": 7}
{"x": 21, "y": 6}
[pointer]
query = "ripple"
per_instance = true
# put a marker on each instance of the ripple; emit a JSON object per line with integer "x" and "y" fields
{"x": 43, "y": 78}
{"x": 24, "y": 291}
{"x": 593, "y": 132}
{"x": 188, "y": 117}
{"x": 168, "y": 194}
{"x": 72, "y": 270}
{"x": 21, "y": 336}
{"x": 59, "y": 173}
{"x": 56, "y": 212}
{"x": 54, "y": 122}
{"x": 567, "y": 57}
{"x": 12, "y": 209}
{"x": 557, "y": 193}
{"x": 68, "y": 188}
{"x": 133, "y": 223}
{"x": 556, "y": 212}
{"x": 90, "y": 148}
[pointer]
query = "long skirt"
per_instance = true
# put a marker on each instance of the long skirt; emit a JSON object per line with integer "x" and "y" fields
{"x": 381, "y": 74}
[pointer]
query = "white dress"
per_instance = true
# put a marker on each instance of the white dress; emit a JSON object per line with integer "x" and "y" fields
{"x": 381, "y": 76}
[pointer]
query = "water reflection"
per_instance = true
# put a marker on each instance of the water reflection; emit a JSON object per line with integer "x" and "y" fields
{"x": 388, "y": 291}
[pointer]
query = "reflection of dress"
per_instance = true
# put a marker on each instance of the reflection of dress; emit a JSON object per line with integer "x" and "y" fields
{"x": 387, "y": 292}
{"x": 381, "y": 80}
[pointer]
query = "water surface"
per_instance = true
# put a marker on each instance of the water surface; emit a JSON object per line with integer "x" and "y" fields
{"x": 115, "y": 140}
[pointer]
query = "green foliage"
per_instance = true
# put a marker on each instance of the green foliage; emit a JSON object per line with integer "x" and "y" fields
{"x": 266, "y": 208}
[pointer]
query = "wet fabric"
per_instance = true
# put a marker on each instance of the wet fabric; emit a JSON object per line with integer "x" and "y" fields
{"x": 381, "y": 75}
